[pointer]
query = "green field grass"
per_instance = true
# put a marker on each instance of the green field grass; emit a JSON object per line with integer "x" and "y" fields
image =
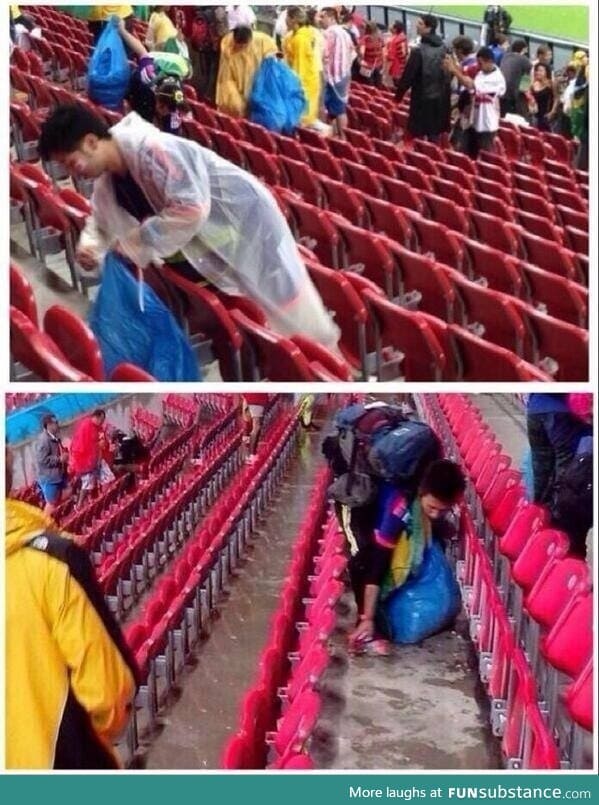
{"x": 570, "y": 22}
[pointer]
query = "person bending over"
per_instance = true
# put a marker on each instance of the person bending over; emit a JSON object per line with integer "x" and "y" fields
{"x": 159, "y": 198}
{"x": 373, "y": 532}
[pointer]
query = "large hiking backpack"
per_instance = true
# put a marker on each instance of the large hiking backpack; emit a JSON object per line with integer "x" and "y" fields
{"x": 373, "y": 442}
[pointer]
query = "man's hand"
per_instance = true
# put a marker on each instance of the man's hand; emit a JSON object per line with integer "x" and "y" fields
{"x": 450, "y": 65}
{"x": 363, "y": 632}
{"x": 87, "y": 258}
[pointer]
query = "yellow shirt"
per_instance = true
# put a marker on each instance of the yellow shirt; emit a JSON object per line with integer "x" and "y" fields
{"x": 160, "y": 30}
{"x": 104, "y": 12}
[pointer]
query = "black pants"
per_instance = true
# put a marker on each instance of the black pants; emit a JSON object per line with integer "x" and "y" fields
{"x": 553, "y": 440}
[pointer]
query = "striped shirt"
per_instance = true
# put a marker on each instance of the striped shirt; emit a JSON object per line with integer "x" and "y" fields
{"x": 339, "y": 53}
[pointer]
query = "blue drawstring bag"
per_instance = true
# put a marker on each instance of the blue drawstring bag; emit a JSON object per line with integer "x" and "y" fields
{"x": 109, "y": 71}
{"x": 277, "y": 101}
{"x": 150, "y": 337}
{"x": 425, "y": 604}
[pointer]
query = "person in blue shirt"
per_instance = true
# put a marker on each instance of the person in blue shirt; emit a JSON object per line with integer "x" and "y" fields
{"x": 373, "y": 531}
{"x": 553, "y": 434}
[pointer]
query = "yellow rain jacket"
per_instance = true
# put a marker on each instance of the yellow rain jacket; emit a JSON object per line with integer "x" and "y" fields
{"x": 237, "y": 69}
{"x": 302, "y": 54}
{"x": 69, "y": 679}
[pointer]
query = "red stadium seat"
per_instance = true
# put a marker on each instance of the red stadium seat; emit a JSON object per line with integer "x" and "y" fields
{"x": 273, "y": 357}
{"x": 38, "y": 353}
{"x": 322, "y": 161}
{"x": 129, "y": 373}
{"x": 351, "y": 316}
{"x": 324, "y": 364}
{"x": 402, "y": 194}
{"x": 559, "y": 348}
{"x": 493, "y": 232}
{"x": 345, "y": 200}
{"x": 75, "y": 340}
{"x": 208, "y": 315}
{"x": 21, "y": 294}
{"x": 559, "y": 297}
{"x": 303, "y": 180}
{"x": 481, "y": 360}
{"x": 409, "y": 334}
{"x": 500, "y": 271}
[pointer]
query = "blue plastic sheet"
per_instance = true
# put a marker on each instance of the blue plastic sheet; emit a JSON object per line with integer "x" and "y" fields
{"x": 425, "y": 604}
{"x": 25, "y": 423}
{"x": 109, "y": 70}
{"x": 145, "y": 334}
{"x": 277, "y": 101}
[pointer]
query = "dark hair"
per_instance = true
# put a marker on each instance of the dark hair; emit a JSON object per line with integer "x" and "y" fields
{"x": 242, "y": 34}
{"x": 330, "y": 12}
{"x": 47, "y": 419}
{"x": 398, "y": 27}
{"x": 444, "y": 480}
{"x": 170, "y": 90}
{"x": 464, "y": 44}
{"x": 430, "y": 21}
{"x": 99, "y": 412}
{"x": 486, "y": 54}
{"x": 66, "y": 127}
{"x": 297, "y": 14}
{"x": 518, "y": 45}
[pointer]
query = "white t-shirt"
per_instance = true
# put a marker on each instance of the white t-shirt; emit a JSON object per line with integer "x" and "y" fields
{"x": 488, "y": 89}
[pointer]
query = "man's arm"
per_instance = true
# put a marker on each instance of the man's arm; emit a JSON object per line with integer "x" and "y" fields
{"x": 408, "y": 77}
{"x": 183, "y": 183}
{"x": 43, "y": 454}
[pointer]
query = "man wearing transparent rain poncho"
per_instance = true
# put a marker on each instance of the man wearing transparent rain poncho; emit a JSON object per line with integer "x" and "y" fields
{"x": 194, "y": 207}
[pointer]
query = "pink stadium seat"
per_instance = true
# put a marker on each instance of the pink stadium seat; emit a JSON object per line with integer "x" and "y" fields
{"x": 544, "y": 546}
{"x": 578, "y": 698}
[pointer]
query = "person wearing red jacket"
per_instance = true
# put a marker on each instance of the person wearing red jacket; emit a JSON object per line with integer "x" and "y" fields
{"x": 87, "y": 447}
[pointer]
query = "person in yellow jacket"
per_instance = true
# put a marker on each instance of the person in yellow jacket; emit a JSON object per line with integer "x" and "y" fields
{"x": 241, "y": 54}
{"x": 302, "y": 54}
{"x": 100, "y": 14}
{"x": 69, "y": 678}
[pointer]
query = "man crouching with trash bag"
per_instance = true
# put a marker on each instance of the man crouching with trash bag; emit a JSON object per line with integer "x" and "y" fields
{"x": 391, "y": 491}
{"x": 162, "y": 199}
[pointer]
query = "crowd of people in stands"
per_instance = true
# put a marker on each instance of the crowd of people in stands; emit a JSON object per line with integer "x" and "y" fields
{"x": 462, "y": 85}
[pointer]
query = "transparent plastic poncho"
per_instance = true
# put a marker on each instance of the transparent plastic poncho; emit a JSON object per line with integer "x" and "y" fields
{"x": 225, "y": 222}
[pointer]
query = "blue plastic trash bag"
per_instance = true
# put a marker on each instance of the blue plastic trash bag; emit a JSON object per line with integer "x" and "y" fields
{"x": 527, "y": 475}
{"x": 150, "y": 338}
{"x": 425, "y": 604}
{"x": 109, "y": 71}
{"x": 277, "y": 101}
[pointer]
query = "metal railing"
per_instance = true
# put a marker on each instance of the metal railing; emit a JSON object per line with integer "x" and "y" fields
{"x": 451, "y": 26}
